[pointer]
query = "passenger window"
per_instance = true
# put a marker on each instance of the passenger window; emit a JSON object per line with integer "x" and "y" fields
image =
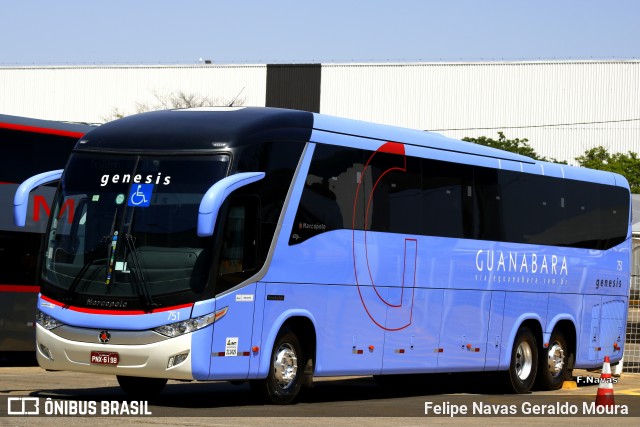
{"x": 446, "y": 199}
{"x": 395, "y": 182}
{"x": 490, "y": 207}
{"x": 328, "y": 197}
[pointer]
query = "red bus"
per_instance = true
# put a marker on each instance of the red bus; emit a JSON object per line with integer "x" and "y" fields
{"x": 28, "y": 145}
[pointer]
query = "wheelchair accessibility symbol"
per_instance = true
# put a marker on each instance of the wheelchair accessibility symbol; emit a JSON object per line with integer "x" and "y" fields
{"x": 140, "y": 195}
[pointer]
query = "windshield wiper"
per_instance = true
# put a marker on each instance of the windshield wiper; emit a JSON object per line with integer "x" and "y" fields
{"x": 68, "y": 296}
{"x": 143, "y": 290}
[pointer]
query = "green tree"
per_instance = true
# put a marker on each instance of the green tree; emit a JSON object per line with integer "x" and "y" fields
{"x": 627, "y": 165}
{"x": 518, "y": 146}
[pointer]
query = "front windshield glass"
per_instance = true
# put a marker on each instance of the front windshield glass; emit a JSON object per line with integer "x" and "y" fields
{"x": 123, "y": 231}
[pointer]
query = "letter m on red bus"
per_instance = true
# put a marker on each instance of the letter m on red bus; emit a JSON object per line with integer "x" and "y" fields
{"x": 39, "y": 202}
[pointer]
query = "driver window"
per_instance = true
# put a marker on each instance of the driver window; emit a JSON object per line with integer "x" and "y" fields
{"x": 238, "y": 243}
{"x": 231, "y": 255}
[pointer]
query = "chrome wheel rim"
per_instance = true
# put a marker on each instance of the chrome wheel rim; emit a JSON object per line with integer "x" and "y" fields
{"x": 556, "y": 359}
{"x": 285, "y": 366}
{"x": 524, "y": 361}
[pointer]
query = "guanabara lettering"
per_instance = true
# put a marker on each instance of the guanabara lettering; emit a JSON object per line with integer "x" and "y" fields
{"x": 516, "y": 262}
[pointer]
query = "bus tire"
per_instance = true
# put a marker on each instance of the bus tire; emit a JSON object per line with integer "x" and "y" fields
{"x": 139, "y": 387}
{"x": 524, "y": 362}
{"x": 554, "y": 363}
{"x": 286, "y": 371}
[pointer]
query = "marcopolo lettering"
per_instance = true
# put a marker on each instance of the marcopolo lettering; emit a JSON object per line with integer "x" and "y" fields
{"x": 515, "y": 262}
{"x": 105, "y": 303}
{"x": 135, "y": 179}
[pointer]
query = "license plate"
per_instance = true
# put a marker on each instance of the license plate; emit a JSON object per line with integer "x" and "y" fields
{"x": 104, "y": 358}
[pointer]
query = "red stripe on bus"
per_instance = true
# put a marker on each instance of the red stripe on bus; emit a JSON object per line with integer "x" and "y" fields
{"x": 114, "y": 312}
{"x": 20, "y": 288}
{"x": 47, "y": 131}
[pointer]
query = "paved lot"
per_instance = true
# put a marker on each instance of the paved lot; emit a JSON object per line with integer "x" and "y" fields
{"x": 333, "y": 401}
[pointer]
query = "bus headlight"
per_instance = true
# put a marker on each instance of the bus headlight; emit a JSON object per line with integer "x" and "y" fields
{"x": 176, "y": 329}
{"x": 47, "y": 321}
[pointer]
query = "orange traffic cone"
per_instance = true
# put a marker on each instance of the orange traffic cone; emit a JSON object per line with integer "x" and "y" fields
{"x": 605, "y": 389}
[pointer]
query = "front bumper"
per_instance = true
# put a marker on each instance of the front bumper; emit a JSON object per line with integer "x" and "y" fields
{"x": 146, "y": 360}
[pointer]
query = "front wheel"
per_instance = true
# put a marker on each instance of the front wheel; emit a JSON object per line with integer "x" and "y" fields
{"x": 554, "y": 366}
{"x": 141, "y": 388}
{"x": 284, "y": 381}
{"x": 524, "y": 361}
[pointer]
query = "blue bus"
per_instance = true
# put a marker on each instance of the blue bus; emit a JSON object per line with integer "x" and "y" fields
{"x": 274, "y": 246}
{"x": 28, "y": 146}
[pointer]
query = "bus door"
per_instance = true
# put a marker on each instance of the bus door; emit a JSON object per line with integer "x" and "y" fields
{"x": 232, "y": 335}
{"x": 237, "y": 249}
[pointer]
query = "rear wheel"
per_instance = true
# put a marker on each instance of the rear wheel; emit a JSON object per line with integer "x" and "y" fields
{"x": 284, "y": 381}
{"x": 554, "y": 366}
{"x": 524, "y": 361}
{"x": 139, "y": 387}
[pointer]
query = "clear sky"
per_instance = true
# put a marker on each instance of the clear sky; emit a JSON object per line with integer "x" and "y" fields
{"x": 45, "y": 32}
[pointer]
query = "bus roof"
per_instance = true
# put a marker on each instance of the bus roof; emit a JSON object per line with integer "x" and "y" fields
{"x": 198, "y": 128}
{"x": 410, "y": 137}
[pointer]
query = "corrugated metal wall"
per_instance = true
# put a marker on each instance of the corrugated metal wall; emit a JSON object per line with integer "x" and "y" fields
{"x": 90, "y": 94}
{"x": 546, "y": 102}
{"x": 483, "y": 98}
{"x": 294, "y": 86}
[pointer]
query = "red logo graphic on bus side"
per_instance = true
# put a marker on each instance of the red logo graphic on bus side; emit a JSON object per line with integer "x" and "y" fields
{"x": 409, "y": 260}
{"x": 104, "y": 337}
{"x": 39, "y": 202}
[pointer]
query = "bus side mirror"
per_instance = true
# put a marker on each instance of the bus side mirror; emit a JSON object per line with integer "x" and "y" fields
{"x": 21, "y": 198}
{"x": 217, "y": 194}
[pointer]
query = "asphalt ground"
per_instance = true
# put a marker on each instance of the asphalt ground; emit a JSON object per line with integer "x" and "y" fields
{"x": 69, "y": 399}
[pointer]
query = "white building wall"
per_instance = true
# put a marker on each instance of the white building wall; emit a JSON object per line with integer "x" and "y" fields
{"x": 523, "y": 99}
{"x": 91, "y": 94}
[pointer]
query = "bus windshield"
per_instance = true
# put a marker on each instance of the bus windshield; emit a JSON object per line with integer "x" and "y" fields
{"x": 123, "y": 232}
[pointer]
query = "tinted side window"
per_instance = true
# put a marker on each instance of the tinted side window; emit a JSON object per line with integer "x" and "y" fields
{"x": 597, "y": 215}
{"x": 582, "y": 200}
{"x": 526, "y": 208}
{"x": 393, "y": 193}
{"x": 614, "y": 216}
{"x": 329, "y": 195}
{"x": 446, "y": 199}
{"x": 543, "y": 206}
{"x": 348, "y": 188}
{"x": 392, "y": 185}
{"x": 532, "y": 208}
{"x": 25, "y": 154}
{"x": 488, "y": 218}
